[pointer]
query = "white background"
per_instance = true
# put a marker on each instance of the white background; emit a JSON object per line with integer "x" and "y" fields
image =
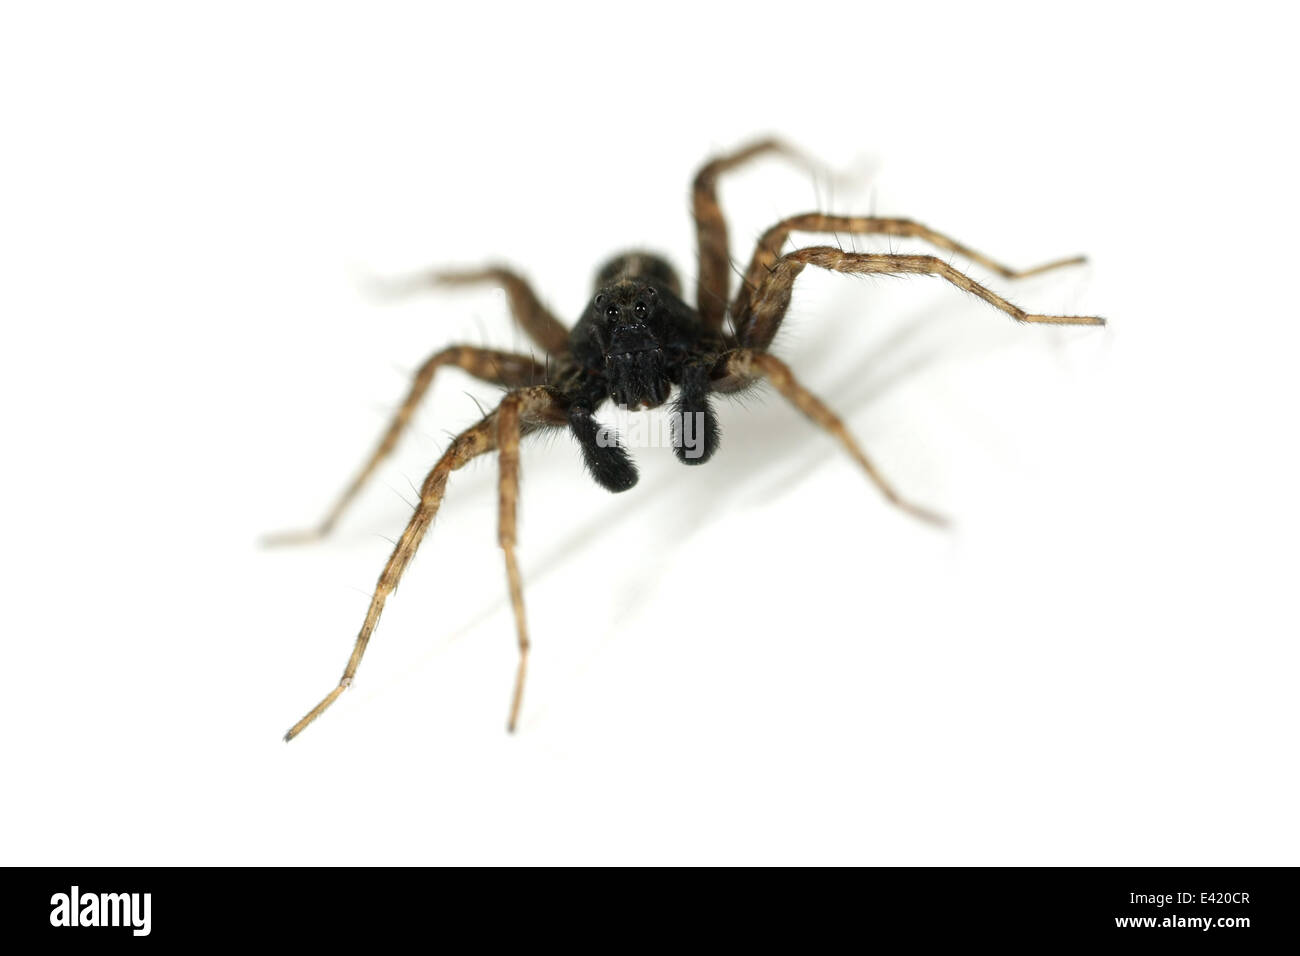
{"x": 754, "y": 661}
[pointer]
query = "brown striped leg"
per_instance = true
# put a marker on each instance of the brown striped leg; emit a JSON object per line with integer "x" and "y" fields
{"x": 770, "y": 245}
{"x": 526, "y": 404}
{"x": 500, "y": 368}
{"x": 471, "y": 443}
{"x": 534, "y": 407}
{"x": 537, "y": 321}
{"x": 756, "y": 326}
{"x": 714, "y": 264}
{"x": 743, "y": 367}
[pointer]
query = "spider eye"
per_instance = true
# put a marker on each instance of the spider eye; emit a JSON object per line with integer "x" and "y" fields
{"x": 640, "y": 310}
{"x": 612, "y": 312}
{"x": 600, "y": 300}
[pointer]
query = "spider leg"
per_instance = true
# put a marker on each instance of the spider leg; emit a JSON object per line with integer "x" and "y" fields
{"x": 758, "y": 324}
{"x": 500, "y": 368}
{"x": 534, "y": 407}
{"x": 714, "y": 281}
{"x": 742, "y": 367}
{"x": 537, "y": 321}
{"x": 529, "y": 404}
{"x": 768, "y": 250}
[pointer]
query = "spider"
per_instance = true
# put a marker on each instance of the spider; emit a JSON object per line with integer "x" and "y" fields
{"x": 637, "y": 341}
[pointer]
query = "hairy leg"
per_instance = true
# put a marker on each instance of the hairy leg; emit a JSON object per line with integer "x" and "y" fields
{"x": 500, "y": 368}
{"x": 534, "y": 407}
{"x": 714, "y": 264}
{"x": 769, "y": 247}
{"x": 477, "y": 440}
{"x": 758, "y": 324}
{"x": 741, "y": 368}
{"x": 538, "y": 322}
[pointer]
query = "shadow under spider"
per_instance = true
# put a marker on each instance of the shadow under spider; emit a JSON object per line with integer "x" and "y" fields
{"x": 754, "y": 463}
{"x": 751, "y": 451}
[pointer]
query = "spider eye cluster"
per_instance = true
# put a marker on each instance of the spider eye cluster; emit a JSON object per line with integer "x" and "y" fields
{"x": 641, "y": 308}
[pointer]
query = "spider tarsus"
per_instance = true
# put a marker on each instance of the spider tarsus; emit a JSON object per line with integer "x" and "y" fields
{"x": 393, "y": 288}
{"x": 1065, "y": 319}
{"x": 932, "y": 518}
{"x": 1050, "y": 267}
{"x": 319, "y": 709}
{"x": 281, "y": 539}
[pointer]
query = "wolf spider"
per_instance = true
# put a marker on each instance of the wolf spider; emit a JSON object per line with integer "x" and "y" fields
{"x": 636, "y": 341}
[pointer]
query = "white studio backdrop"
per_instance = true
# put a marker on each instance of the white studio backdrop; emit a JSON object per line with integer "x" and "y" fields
{"x": 754, "y": 661}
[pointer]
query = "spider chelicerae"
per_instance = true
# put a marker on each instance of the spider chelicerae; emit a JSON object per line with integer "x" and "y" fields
{"x": 638, "y": 340}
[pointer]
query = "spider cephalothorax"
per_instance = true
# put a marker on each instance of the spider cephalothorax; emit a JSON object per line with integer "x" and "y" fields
{"x": 636, "y": 343}
{"x": 629, "y": 338}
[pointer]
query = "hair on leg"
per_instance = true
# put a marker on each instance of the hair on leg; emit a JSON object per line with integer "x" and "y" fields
{"x": 758, "y": 324}
{"x": 537, "y": 409}
{"x": 500, "y": 368}
{"x": 713, "y": 281}
{"x": 768, "y": 249}
{"x": 743, "y": 367}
